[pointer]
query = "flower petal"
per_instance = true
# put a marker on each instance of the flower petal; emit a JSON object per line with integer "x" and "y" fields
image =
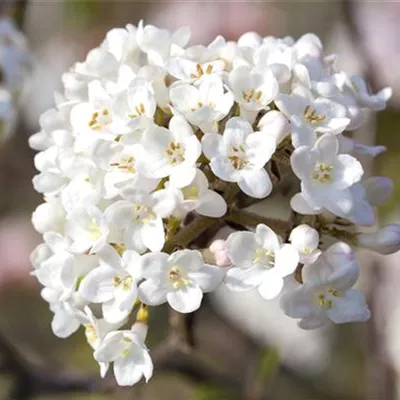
{"x": 186, "y": 299}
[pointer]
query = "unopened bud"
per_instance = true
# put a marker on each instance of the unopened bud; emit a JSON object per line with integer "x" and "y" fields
{"x": 143, "y": 314}
{"x": 383, "y": 241}
{"x": 218, "y": 250}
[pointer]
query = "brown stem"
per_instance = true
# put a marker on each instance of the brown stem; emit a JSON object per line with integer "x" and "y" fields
{"x": 246, "y": 218}
{"x": 32, "y": 381}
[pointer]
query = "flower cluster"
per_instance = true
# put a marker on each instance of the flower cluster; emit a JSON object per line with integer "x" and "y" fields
{"x": 154, "y": 144}
{"x": 15, "y": 63}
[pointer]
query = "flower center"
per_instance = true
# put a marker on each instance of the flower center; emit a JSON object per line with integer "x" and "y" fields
{"x": 94, "y": 231}
{"x": 265, "y": 257}
{"x": 125, "y": 353}
{"x": 252, "y": 95}
{"x": 126, "y": 164}
{"x": 200, "y": 72}
{"x": 311, "y": 115}
{"x": 176, "y": 278}
{"x": 190, "y": 192}
{"x": 175, "y": 152}
{"x": 100, "y": 119}
{"x": 143, "y": 214}
{"x": 322, "y": 173}
{"x": 91, "y": 334}
{"x": 125, "y": 282}
{"x": 238, "y": 157}
{"x": 138, "y": 111}
{"x": 325, "y": 300}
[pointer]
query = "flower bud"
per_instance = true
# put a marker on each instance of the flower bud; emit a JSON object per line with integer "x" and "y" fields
{"x": 49, "y": 217}
{"x": 275, "y": 123}
{"x": 218, "y": 249}
{"x": 143, "y": 315}
{"x": 383, "y": 241}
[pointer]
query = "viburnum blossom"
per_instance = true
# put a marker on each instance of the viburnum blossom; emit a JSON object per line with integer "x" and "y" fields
{"x": 155, "y": 144}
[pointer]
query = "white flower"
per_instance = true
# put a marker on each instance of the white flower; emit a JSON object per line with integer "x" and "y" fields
{"x": 259, "y": 261}
{"x": 94, "y": 119}
{"x": 375, "y": 102}
{"x": 326, "y": 176}
{"x": 364, "y": 195}
{"x": 170, "y": 152}
{"x": 348, "y": 145}
{"x": 126, "y": 349}
{"x": 383, "y": 241}
{"x": 239, "y": 155}
{"x": 306, "y": 240}
{"x": 113, "y": 283}
{"x": 197, "y": 196}
{"x": 95, "y": 331}
{"x": 49, "y": 216}
{"x": 310, "y": 117}
{"x": 136, "y": 105}
{"x": 140, "y": 216}
{"x": 327, "y": 293}
{"x": 192, "y": 71}
{"x": 120, "y": 165}
{"x": 253, "y": 89}
{"x": 158, "y": 44}
{"x": 88, "y": 230}
{"x": 204, "y": 105}
{"x": 55, "y": 130}
{"x": 180, "y": 278}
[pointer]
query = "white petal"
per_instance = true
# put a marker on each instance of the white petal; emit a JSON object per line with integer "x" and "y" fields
{"x": 64, "y": 325}
{"x": 112, "y": 312}
{"x": 271, "y": 286}
{"x": 267, "y": 238}
{"x": 241, "y": 247}
{"x": 286, "y": 260}
{"x": 127, "y": 373}
{"x": 243, "y": 279}
{"x": 212, "y": 204}
{"x": 189, "y": 260}
{"x": 256, "y": 183}
{"x": 314, "y": 321}
{"x": 153, "y": 235}
{"x": 152, "y": 292}
{"x": 97, "y": 286}
{"x": 223, "y": 168}
{"x": 299, "y": 204}
{"x": 208, "y": 278}
{"x": 153, "y": 265}
{"x": 300, "y": 302}
{"x": 186, "y": 299}
{"x": 349, "y": 308}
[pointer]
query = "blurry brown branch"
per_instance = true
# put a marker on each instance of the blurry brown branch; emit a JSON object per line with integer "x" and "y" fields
{"x": 31, "y": 381}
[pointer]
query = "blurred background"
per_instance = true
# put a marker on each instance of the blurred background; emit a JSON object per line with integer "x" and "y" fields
{"x": 249, "y": 350}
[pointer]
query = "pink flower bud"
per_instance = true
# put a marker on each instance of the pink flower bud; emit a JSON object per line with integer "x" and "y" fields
{"x": 218, "y": 250}
{"x": 383, "y": 241}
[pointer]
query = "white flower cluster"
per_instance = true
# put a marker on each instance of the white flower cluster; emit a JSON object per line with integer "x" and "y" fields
{"x": 15, "y": 63}
{"x": 153, "y": 141}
